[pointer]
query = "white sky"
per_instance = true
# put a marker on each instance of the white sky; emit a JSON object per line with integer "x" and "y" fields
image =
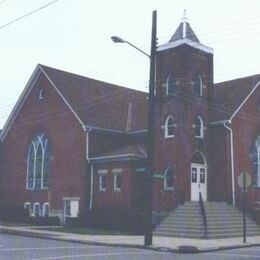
{"x": 74, "y": 35}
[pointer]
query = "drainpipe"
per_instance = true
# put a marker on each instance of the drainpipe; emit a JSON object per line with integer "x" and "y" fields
{"x": 91, "y": 169}
{"x": 232, "y": 160}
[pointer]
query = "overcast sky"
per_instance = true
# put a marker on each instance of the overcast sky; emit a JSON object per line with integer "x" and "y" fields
{"x": 74, "y": 35}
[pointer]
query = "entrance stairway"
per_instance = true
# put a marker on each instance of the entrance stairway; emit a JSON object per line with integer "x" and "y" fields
{"x": 223, "y": 221}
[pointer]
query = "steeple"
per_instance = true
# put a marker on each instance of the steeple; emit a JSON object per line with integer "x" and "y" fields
{"x": 184, "y": 35}
{"x": 184, "y": 31}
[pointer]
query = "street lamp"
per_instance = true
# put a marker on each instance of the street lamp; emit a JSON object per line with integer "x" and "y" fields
{"x": 117, "y": 39}
{"x": 148, "y": 188}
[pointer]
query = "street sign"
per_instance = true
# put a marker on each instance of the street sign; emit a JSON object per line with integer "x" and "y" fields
{"x": 248, "y": 180}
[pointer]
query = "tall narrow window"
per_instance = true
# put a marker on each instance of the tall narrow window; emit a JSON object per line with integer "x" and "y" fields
{"x": 171, "y": 85}
{"x": 36, "y": 209}
{"x": 38, "y": 163}
{"x": 46, "y": 209}
{"x": 199, "y": 128}
{"x": 197, "y": 86}
{"x": 256, "y": 163}
{"x": 168, "y": 179}
{"x": 117, "y": 181}
{"x": 169, "y": 127}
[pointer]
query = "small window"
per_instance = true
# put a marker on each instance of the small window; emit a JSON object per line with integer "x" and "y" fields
{"x": 169, "y": 127}
{"x": 199, "y": 128}
{"x": 117, "y": 182}
{"x": 46, "y": 209}
{"x": 197, "y": 86}
{"x": 171, "y": 85}
{"x": 194, "y": 175}
{"x": 102, "y": 182}
{"x": 27, "y": 206}
{"x": 168, "y": 179}
{"x": 41, "y": 94}
{"x": 256, "y": 163}
{"x": 71, "y": 208}
{"x": 36, "y": 209}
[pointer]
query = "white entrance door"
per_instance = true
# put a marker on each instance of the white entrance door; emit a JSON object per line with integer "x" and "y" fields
{"x": 198, "y": 182}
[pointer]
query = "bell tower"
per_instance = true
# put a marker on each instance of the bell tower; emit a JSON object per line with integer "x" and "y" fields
{"x": 184, "y": 64}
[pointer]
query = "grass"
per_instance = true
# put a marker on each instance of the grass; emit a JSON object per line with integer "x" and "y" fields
{"x": 87, "y": 231}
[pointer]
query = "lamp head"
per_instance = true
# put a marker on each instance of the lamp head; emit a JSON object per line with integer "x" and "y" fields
{"x": 117, "y": 39}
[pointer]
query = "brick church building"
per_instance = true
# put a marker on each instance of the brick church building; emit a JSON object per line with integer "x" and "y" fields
{"x": 73, "y": 144}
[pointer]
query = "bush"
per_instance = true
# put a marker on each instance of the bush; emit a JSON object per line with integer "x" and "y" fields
{"x": 44, "y": 221}
{"x": 115, "y": 219}
{"x": 14, "y": 213}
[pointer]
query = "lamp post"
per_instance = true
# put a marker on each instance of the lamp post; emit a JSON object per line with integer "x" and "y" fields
{"x": 148, "y": 188}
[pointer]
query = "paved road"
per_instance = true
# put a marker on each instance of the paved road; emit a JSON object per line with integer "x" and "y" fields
{"x": 19, "y": 248}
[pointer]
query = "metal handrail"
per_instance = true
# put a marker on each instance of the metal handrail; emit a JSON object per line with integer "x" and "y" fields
{"x": 204, "y": 216}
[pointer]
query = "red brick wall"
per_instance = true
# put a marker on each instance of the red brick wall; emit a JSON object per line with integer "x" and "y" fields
{"x": 67, "y": 138}
{"x": 185, "y": 63}
{"x": 246, "y": 128}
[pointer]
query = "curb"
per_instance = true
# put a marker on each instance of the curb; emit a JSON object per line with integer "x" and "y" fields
{"x": 181, "y": 249}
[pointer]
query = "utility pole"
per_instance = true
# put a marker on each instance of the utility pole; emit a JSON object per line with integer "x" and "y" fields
{"x": 148, "y": 236}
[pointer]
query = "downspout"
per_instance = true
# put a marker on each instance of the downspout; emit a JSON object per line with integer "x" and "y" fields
{"x": 91, "y": 169}
{"x": 232, "y": 160}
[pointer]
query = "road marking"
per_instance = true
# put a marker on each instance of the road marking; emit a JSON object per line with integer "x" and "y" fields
{"x": 237, "y": 255}
{"x": 45, "y": 248}
{"x": 97, "y": 255}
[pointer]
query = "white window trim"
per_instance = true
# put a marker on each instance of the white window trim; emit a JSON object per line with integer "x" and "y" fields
{"x": 115, "y": 181}
{"x": 257, "y": 145}
{"x": 201, "y": 136}
{"x": 35, "y": 145}
{"x": 101, "y": 175}
{"x": 201, "y": 86}
{"x": 166, "y": 127}
{"x": 44, "y": 208}
{"x": 27, "y": 203}
{"x": 167, "y": 83}
{"x": 34, "y": 207}
{"x": 165, "y": 186}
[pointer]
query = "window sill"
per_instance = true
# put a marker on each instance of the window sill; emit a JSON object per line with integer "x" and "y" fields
{"x": 169, "y": 136}
{"x": 168, "y": 189}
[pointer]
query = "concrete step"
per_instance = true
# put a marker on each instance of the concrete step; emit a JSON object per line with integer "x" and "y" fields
{"x": 223, "y": 221}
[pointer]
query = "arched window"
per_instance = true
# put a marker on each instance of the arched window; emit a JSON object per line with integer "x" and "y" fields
{"x": 36, "y": 209}
{"x": 199, "y": 128}
{"x": 38, "y": 163}
{"x": 27, "y": 206}
{"x": 169, "y": 127}
{"x": 168, "y": 179}
{"x": 171, "y": 85}
{"x": 198, "y": 158}
{"x": 197, "y": 86}
{"x": 256, "y": 163}
{"x": 45, "y": 209}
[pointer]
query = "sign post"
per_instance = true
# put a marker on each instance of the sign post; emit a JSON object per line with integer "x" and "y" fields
{"x": 244, "y": 181}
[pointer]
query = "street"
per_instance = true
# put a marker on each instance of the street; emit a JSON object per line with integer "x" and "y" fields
{"x": 19, "y": 247}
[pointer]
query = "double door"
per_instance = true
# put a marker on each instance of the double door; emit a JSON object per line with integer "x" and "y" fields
{"x": 198, "y": 182}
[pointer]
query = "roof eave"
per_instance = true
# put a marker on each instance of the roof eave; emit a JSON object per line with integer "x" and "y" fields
{"x": 186, "y": 41}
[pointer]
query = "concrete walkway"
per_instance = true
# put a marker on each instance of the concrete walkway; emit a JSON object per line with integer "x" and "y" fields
{"x": 184, "y": 245}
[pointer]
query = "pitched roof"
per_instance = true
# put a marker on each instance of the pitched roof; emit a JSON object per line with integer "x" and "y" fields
{"x": 132, "y": 151}
{"x": 229, "y": 95}
{"x": 184, "y": 31}
{"x": 100, "y": 104}
{"x": 184, "y": 35}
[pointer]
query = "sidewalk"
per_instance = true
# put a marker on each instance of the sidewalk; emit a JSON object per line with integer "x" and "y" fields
{"x": 183, "y": 245}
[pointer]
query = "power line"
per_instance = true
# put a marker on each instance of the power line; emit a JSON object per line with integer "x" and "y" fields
{"x": 27, "y": 14}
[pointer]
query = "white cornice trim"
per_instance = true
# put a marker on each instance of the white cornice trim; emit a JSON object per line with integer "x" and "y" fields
{"x": 187, "y": 41}
{"x": 117, "y": 156}
{"x": 63, "y": 98}
{"x": 25, "y": 93}
{"x": 245, "y": 100}
{"x": 114, "y": 130}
